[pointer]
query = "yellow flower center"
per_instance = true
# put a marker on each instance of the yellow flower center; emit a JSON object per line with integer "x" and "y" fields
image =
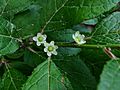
{"x": 40, "y": 39}
{"x": 50, "y": 48}
{"x": 78, "y": 39}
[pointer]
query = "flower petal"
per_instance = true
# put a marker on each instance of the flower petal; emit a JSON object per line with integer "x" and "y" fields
{"x": 35, "y": 38}
{"x": 73, "y": 36}
{"x": 39, "y": 34}
{"x": 56, "y": 47}
{"x": 82, "y": 42}
{"x": 77, "y": 33}
{"x": 54, "y": 52}
{"x": 46, "y": 44}
{"x": 45, "y": 50}
{"x": 83, "y": 36}
{"x": 52, "y": 43}
{"x": 49, "y": 54}
{"x": 77, "y": 41}
{"x": 45, "y": 36}
{"x": 38, "y": 43}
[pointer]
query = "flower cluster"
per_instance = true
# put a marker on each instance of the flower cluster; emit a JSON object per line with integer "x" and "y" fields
{"x": 50, "y": 48}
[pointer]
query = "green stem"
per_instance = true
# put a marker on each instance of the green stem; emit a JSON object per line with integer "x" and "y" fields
{"x": 62, "y": 44}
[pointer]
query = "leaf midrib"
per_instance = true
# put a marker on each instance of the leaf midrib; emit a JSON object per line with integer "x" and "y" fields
{"x": 11, "y": 78}
{"x": 57, "y": 10}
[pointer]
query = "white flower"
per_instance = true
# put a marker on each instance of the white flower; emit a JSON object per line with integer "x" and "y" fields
{"x": 40, "y": 39}
{"x": 79, "y": 39}
{"x": 50, "y": 48}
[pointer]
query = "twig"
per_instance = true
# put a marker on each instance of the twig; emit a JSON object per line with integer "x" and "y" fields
{"x": 109, "y": 53}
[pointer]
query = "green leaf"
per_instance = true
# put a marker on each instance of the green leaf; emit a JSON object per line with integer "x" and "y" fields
{"x": 73, "y": 11}
{"x": 0, "y": 83}
{"x": 61, "y": 36}
{"x": 16, "y": 55}
{"x": 1, "y": 69}
{"x": 47, "y": 77}
{"x": 95, "y": 60}
{"x": 116, "y": 52}
{"x": 27, "y": 23}
{"x": 22, "y": 67}
{"x": 33, "y": 59}
{"x": 110, "y": 78}
{"x": 8, "y": 43}
{"x": 82, "y": 28}
{"x": 108, "y": 30}
{"x": 68, "y": 51}
{"x": 91, "y": 21}
{"x": 11, "y": 7}
{"x": 77, "y": 72}
{"x": 59, "y": 15}
{"x": 12, "y": 79}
